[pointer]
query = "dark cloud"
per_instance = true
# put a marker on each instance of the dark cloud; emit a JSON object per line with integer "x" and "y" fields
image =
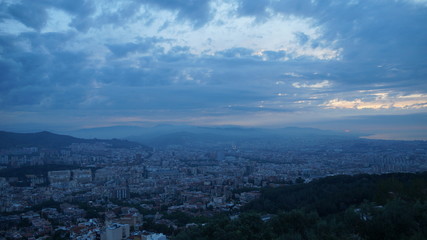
{"x": 51, "y": 41}
{"x": 76, "y": 7}
{"x": 9, "y": 73}
{"x": 198, "y": 12}
{"x": 368, "y": 31}
{"x": 177, "y": 97}
{"x": 142, "y": 46}
{"x": 3, "y": 11}
{"x": 261, "y": 109}
{"x": 30, "y": 13}
{"x": 236, "y": 53}
{"x": 35, "y": 67}
{"x": 274, "y": 55}
{"x": 120, "y": 75}
{"x": 253, "y": 8}
{"x": 34, "y": 14}
{"x": 303, "y": 38}
{"x": 177, "y": 55}
{"x": 81, "y": 11}
{"x": 120, "y": 16}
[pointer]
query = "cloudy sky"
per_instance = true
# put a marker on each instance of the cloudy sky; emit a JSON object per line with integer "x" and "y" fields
{"x": 348, "y": 65}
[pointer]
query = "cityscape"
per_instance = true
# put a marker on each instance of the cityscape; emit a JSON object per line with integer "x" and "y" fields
{"x": 95, "y": 190}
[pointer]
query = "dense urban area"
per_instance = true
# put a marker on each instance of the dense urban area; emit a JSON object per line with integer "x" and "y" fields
{"x": 120, "y": 190}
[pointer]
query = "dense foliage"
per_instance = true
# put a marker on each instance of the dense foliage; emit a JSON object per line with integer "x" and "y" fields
{"x": 391, "y": 206}
{"x": 38, "y": 170}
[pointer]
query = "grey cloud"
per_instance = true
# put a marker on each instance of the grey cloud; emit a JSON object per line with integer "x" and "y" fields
{"x": 370, "y": 34}
{"x": 142, "y": 45}
{"x": 253, "y": 8}
{"x": 76, "y": 7}
{"x": 34, "y": 14}
{"x": 164, "y": 26}
{"x": 122, "y": 50}
{"x": 236, "y": 53}
{"x": 367, "y": 30}
{"x": 177, "y": 54}
{"x": 24, "y": 96}
{"x": 30, "y": 13}
{"x": 198, "y": 12}
{"x": 50, "y": 41}
{"x": 159, "y": 76}
{"x": 81, "y": 10}
{"x": 3, "y": 11}
{"x": 302, "y": 38}
{"x": 261, "y": 109}
{"x": 274, "y": 55}
{"x": 9, "y": 74}
{"x": 176, "y": 97}
{"x": 28, "y": 77}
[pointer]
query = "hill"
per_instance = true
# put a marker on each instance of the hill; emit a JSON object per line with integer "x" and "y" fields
{"x": 183, "y": 135}
{"x": 363, "y": 207}
{"x": 51, "y": 140}
{"x": 172, "y": 134}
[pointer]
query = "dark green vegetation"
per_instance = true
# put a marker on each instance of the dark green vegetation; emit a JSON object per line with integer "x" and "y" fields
{"x": 22, "y": 174}
{"x": 391, "y": 206}
{"x": 34, "y": 170}
{"x": 336, "y": 194}
{"x": 53, "y": 141}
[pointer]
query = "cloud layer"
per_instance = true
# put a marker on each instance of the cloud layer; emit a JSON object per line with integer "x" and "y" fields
{"x": 210, "y": 62}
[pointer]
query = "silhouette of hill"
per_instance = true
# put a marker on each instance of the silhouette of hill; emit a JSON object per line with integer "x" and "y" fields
{"x": 51, "y": 140}
{"x": 189, "y": 134}
{"x": 146, "y": 134}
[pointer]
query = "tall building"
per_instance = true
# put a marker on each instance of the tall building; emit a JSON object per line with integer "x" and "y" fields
{"x": 121, "y": 193}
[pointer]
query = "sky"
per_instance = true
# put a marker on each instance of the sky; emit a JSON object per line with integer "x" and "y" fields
{"x": 353, "y": 66}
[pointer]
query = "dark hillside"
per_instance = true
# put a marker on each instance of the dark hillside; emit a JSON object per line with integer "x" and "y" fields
{"x": 362, "y": 207}
{"x": 51, "y": 140}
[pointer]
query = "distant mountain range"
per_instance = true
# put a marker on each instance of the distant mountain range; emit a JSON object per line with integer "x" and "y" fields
{"x": 52, "y": 140}
{"x": 178, "y": 135}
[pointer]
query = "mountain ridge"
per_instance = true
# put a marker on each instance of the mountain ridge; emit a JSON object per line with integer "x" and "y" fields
{"x": 45, "y": 139}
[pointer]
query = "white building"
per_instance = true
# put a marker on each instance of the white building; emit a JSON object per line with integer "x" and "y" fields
{"x": 116, "y": 231}
{"x": 156, "y": 236}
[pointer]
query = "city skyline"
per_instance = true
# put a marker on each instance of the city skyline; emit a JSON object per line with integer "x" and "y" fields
{"x": 340, "y": 65}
